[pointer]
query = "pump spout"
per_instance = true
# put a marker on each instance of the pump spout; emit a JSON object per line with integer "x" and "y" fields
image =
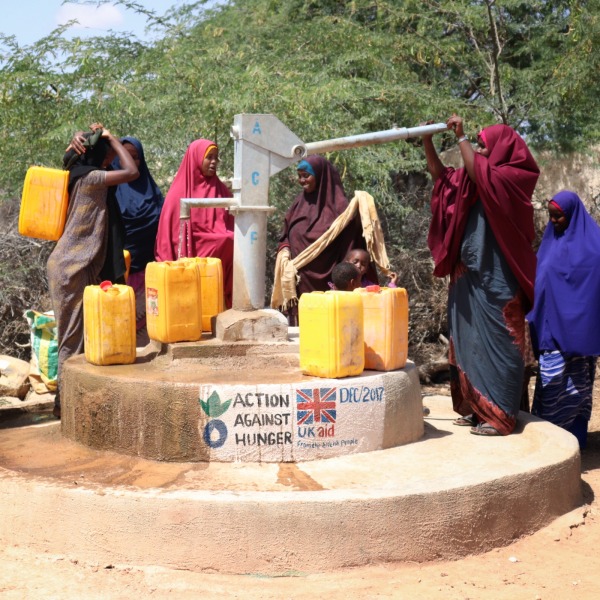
{"x": 375, "y": 137}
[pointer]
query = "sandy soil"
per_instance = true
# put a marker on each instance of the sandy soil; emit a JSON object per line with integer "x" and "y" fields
{"x": 559, "y": 562}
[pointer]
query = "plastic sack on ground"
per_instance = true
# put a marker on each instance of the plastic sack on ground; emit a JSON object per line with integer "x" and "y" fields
{"x": 44, "y": 350}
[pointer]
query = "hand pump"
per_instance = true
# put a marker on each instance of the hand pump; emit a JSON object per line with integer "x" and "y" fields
{"x": 263, "y": 147}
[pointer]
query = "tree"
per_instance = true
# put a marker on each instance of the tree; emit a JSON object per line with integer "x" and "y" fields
{"x": 326, "y": 68}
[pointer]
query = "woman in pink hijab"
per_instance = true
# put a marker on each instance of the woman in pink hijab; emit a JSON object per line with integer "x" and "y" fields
{"x": 211, "y": 229}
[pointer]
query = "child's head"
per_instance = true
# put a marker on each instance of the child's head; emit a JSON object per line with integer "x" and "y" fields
{"x": 360, "y": 259}
{"x": 345, "y": 277}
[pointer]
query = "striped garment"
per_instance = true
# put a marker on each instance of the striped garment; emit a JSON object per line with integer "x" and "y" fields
{"x": 563, "y": 390}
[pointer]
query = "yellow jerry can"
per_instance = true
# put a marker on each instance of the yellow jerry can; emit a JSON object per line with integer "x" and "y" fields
{"x": 213, "y": 297}
{"x": 44, "y": 203}
{"x": 331, "y": 334}
{"x": 385, "y": 312}
{"x": 109, "y": 324}
{"x": 173, "y": 301}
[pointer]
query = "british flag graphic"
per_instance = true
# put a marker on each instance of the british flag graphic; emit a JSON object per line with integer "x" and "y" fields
{"x": 316, "y": 405}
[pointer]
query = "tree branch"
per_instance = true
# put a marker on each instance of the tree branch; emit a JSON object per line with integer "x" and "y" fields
{"x": 495, "y": 75}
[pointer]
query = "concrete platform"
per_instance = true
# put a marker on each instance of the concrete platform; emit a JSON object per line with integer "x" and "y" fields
{"x": 212, "y": 401}
{"x": 446, "y": 496}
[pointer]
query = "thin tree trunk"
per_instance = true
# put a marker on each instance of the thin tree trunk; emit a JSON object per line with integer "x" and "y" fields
{"x": 496, "y": 83}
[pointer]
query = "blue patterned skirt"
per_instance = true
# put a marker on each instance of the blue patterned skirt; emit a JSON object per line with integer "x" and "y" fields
{"x": 563, "y": 391}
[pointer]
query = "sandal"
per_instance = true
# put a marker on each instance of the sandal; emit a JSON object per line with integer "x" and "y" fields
{"x": 466, "y": 421}
{"x": 485, "y": 429}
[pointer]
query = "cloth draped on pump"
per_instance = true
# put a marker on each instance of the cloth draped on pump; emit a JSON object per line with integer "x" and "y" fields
{"x": 481, "y": 236}
{"x": 565, "y": 319}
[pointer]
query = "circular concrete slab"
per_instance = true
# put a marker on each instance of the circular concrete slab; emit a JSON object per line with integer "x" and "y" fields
{"x": 448, "y": 495}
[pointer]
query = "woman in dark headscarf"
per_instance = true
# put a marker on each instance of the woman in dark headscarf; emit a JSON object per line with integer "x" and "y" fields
{"x": 481, "y": 235}
{"x": 79, "y": 257}
{"x": 140, "y": 202}
{"x": 565, "y": 319}
{"x": 321, "y": 201}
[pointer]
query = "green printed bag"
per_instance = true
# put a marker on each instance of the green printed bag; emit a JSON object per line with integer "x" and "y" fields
{"x": 44, "y": 346}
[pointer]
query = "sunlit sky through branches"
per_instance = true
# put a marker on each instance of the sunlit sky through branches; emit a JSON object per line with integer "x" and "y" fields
{"x": 30, "y": 20}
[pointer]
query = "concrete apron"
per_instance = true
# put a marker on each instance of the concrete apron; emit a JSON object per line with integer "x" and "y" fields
{"x": 216, "y": 401}
{"x": 448, "y": 495}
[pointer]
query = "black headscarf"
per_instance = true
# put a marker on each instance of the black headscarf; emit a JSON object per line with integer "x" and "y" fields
{"x": 79, "y": 165}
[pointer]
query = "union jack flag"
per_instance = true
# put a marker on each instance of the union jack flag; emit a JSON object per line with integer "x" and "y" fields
{"x": 316, "y": 405}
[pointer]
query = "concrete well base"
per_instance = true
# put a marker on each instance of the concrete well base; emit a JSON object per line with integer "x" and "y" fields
{"x": 229, "y": 402}
{"x": 448, "y": 495}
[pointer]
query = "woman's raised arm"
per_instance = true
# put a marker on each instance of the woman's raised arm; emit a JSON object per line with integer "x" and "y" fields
{"x": 128, "y": 171}
{"x": 466, "y": 150}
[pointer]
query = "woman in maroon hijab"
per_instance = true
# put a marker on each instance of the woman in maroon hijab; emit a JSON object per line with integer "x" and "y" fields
{"x": 211, "y": 228}
{"x": 321, "y": 201}
{"x": 480, "y": 235}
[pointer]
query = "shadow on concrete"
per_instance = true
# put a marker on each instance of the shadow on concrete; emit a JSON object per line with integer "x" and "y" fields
{"x": 590, "y": 457}
{"x": 431, "y": 432}
{"x": 587, "y": 493}
{"x": 590, "y": 461}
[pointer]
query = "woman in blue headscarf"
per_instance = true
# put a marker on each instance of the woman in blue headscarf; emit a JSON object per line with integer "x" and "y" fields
{"x": 565, "y": 320}
{"x": 140, "y": 202}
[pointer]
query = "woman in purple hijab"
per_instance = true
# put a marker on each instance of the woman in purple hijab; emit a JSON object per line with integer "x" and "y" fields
{"x": 565, "y": 320}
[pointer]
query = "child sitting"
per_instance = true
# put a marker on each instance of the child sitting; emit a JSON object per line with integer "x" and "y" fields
{"x": 345, "y": 277}
{"x": 361, "y": 260}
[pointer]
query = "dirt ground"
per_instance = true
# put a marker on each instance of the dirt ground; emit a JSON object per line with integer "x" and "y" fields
{"x": 560, "y": 561}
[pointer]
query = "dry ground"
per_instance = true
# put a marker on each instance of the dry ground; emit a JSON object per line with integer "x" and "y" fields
{"x": 559, "y": 562}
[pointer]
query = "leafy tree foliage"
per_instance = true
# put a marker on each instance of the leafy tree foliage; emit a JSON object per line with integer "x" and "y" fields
{"x": 325, "y": 67}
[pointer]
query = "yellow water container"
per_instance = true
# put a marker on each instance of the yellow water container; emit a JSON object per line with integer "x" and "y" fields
{"x": 331, "y": 334}
{"x": 213, "y": 298}
{"x": 44, "y": 203}
{"x": 385, "y": 312}
{"x": 127, "y": 257}
{"x": 173, "y": 301}
{"x": 109, "y": 324}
